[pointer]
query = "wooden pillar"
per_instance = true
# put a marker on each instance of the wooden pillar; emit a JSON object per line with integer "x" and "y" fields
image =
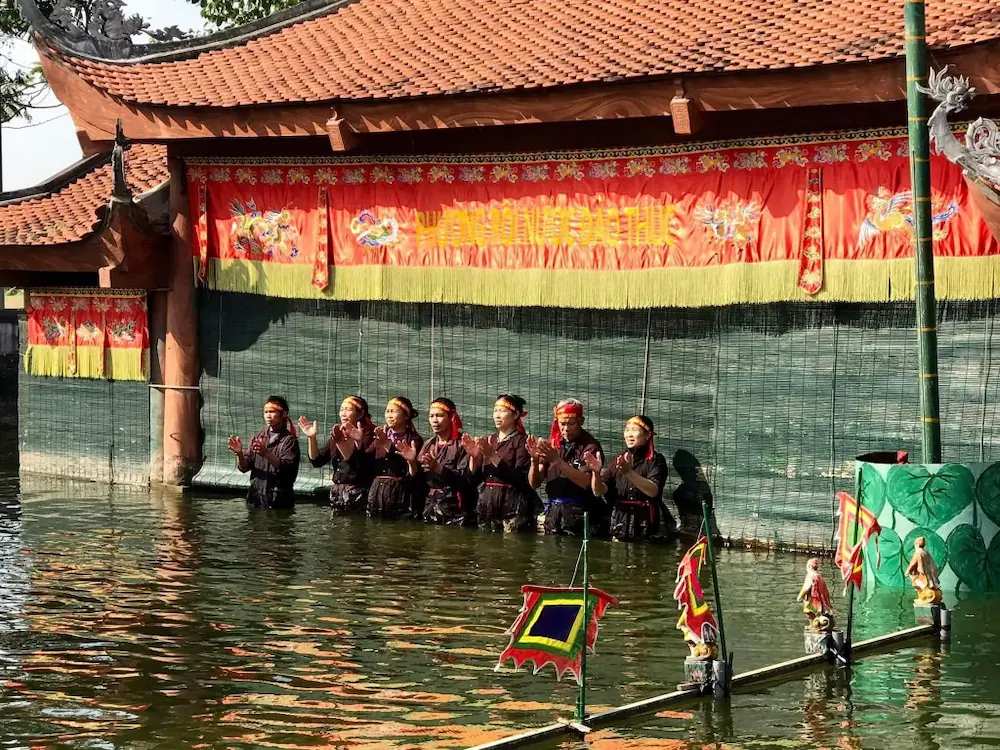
{"x": 181, "y": 424}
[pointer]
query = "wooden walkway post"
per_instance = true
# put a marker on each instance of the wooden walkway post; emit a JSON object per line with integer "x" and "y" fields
{"x": 181, "y": 424}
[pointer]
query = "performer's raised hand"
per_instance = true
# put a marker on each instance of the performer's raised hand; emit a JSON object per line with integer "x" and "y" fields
{"x": 235, "y": 444}
{"x": 593, "y": 462}
{"x": 407, "y": 449}
{"x": 309, "y": 429}
{"x": 471, "y": 444}
{"x": 430, "y": 462}
{"x": 355, "y": 433}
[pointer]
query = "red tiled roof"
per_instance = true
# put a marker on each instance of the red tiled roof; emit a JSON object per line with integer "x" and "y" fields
{"x": 384, "y": 49}
{"x": 71, "y": 212}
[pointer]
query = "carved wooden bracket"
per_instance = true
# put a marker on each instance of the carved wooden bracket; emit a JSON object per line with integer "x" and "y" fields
{"x": 687, "y": 116}
{"x": 342, "y": 138}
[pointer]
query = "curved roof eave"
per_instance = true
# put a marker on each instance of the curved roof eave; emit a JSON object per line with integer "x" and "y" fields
{"x": 83, "y": 45}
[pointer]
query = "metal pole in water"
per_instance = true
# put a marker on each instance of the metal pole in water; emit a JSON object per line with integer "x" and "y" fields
{"x": 715, "y": 581}
{"x": 920, "y": 178}
{"x": 581, "y": 701}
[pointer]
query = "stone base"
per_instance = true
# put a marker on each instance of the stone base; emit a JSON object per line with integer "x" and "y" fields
{"x": 927, "y": 614}
{"x": 697, "y": 671}
{"x": 816, "y": 643}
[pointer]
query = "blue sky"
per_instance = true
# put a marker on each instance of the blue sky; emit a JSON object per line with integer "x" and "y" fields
{"x": 48, "y": 144}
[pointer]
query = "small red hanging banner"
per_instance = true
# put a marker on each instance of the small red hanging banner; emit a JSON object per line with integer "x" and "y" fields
{"x": 84, "y": 333}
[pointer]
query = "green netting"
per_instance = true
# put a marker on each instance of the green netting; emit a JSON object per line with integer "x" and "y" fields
{"x": 81, "y": 428}
{"x": 773, "y": 401}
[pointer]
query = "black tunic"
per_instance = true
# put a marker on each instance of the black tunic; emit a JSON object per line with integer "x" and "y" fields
{"x": 566, "y": 501}
{"x": 449, "y": 491}
{"x": 351, "y": 478}
{"x": 636, "y": 515}
{"x": 506, "y": 499}
{"x": 272, "y": 487}
{"x": 394, "y": 492}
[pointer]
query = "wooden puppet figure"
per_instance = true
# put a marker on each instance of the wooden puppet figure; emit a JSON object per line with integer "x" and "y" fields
{"x": 923, "y": 573}
{"x": 816, "y": 598}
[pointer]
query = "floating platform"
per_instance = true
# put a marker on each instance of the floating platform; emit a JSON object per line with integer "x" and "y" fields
{"x": 771, "y": 673}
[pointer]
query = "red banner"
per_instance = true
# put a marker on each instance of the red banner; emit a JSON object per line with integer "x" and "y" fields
{"x": 767, "y": 215}
{"x": 87, "y": 334}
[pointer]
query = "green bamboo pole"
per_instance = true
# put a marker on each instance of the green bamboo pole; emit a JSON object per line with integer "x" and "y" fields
{"x": 581, "y": 700}
{"x": 715, "y": 581}
{"x": 848, "y": 639}
{"x": 920, "y": 176}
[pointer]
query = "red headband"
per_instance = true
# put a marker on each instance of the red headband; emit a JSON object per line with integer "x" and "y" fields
{"x": 565, "y": 410}
{"x": 456, "y": 421}
{"x": 505, "y": 404}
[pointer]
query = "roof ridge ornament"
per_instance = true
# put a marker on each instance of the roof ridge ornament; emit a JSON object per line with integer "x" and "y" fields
{"x": 120, "y": 188}
{"x": 979, "y": 156}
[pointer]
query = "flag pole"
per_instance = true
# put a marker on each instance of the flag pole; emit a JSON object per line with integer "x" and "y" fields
{"x": 581, "y": 700}
{"x": 715, "y": 579}
{"x": 859, "y": 503}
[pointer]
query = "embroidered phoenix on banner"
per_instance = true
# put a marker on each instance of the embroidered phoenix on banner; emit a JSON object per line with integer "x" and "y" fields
{"x": 550, "y": 628}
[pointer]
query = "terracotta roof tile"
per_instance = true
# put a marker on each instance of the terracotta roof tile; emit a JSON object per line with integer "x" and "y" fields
{"x": 383, "y": 49}
{"x": 71, "y": 213}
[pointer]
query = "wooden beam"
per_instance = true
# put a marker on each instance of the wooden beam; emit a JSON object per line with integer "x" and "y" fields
{"x": 95, "y": 112}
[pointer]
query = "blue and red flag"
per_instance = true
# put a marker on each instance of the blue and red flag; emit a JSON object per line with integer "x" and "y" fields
{"x": 550, "y": 628}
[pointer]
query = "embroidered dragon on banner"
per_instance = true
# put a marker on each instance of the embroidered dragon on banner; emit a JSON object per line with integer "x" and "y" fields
{"x": 263, "y": 233}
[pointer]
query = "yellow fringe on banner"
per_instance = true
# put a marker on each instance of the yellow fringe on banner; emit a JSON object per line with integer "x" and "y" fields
{"x": 120, "y": 364}
{"x": 746, "y": 283}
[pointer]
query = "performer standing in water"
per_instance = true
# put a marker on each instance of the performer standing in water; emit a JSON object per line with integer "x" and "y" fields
{"x": 394, "y": 450}
{"x": 272, "y": 458}
{"x": 348, "y": 450}
{"x": 561, "y": 463}
{"x": 636, "y": 478}
{"x": 445, "y": 466}
{"x": 500, "y": 464}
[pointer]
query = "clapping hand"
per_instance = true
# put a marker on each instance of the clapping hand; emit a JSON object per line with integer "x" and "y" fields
{"x": 488, "y": 447}
{"x": 309, "y": 429}
{"x": 623, "y": 463}
{"x": 593, "y": 462}
{"x": 235, "y": 445}
{"x": 429, "y": 461}
{"x": 337, "y": 433}
{"x": 471, "y": 444}
{"x": 382, "y": 443}
{"x": 546, "y": 452}
{"x": 354, "y": 432}
{"x": 258, "y": 446}
{"x": 407, "y": 450}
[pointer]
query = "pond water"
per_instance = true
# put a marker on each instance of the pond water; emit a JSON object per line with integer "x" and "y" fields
{"x": 133, "y": 619}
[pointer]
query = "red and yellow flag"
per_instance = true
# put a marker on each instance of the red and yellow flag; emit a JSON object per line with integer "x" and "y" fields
{"x": 696, "y": 621}
{"x": 850, "y": 550}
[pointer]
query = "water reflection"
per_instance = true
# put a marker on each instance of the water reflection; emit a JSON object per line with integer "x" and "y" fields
{"x": 148, "y": 620}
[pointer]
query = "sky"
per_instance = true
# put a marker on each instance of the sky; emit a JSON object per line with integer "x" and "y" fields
{"x": 34, "y": 151}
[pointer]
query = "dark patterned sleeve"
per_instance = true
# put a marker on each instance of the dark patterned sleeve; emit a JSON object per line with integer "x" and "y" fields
{"x": 457, "y": 474}
{"x": 327, "y": 453}
{"x": 657, "y": 473}
{"x": 287, "y": 452}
